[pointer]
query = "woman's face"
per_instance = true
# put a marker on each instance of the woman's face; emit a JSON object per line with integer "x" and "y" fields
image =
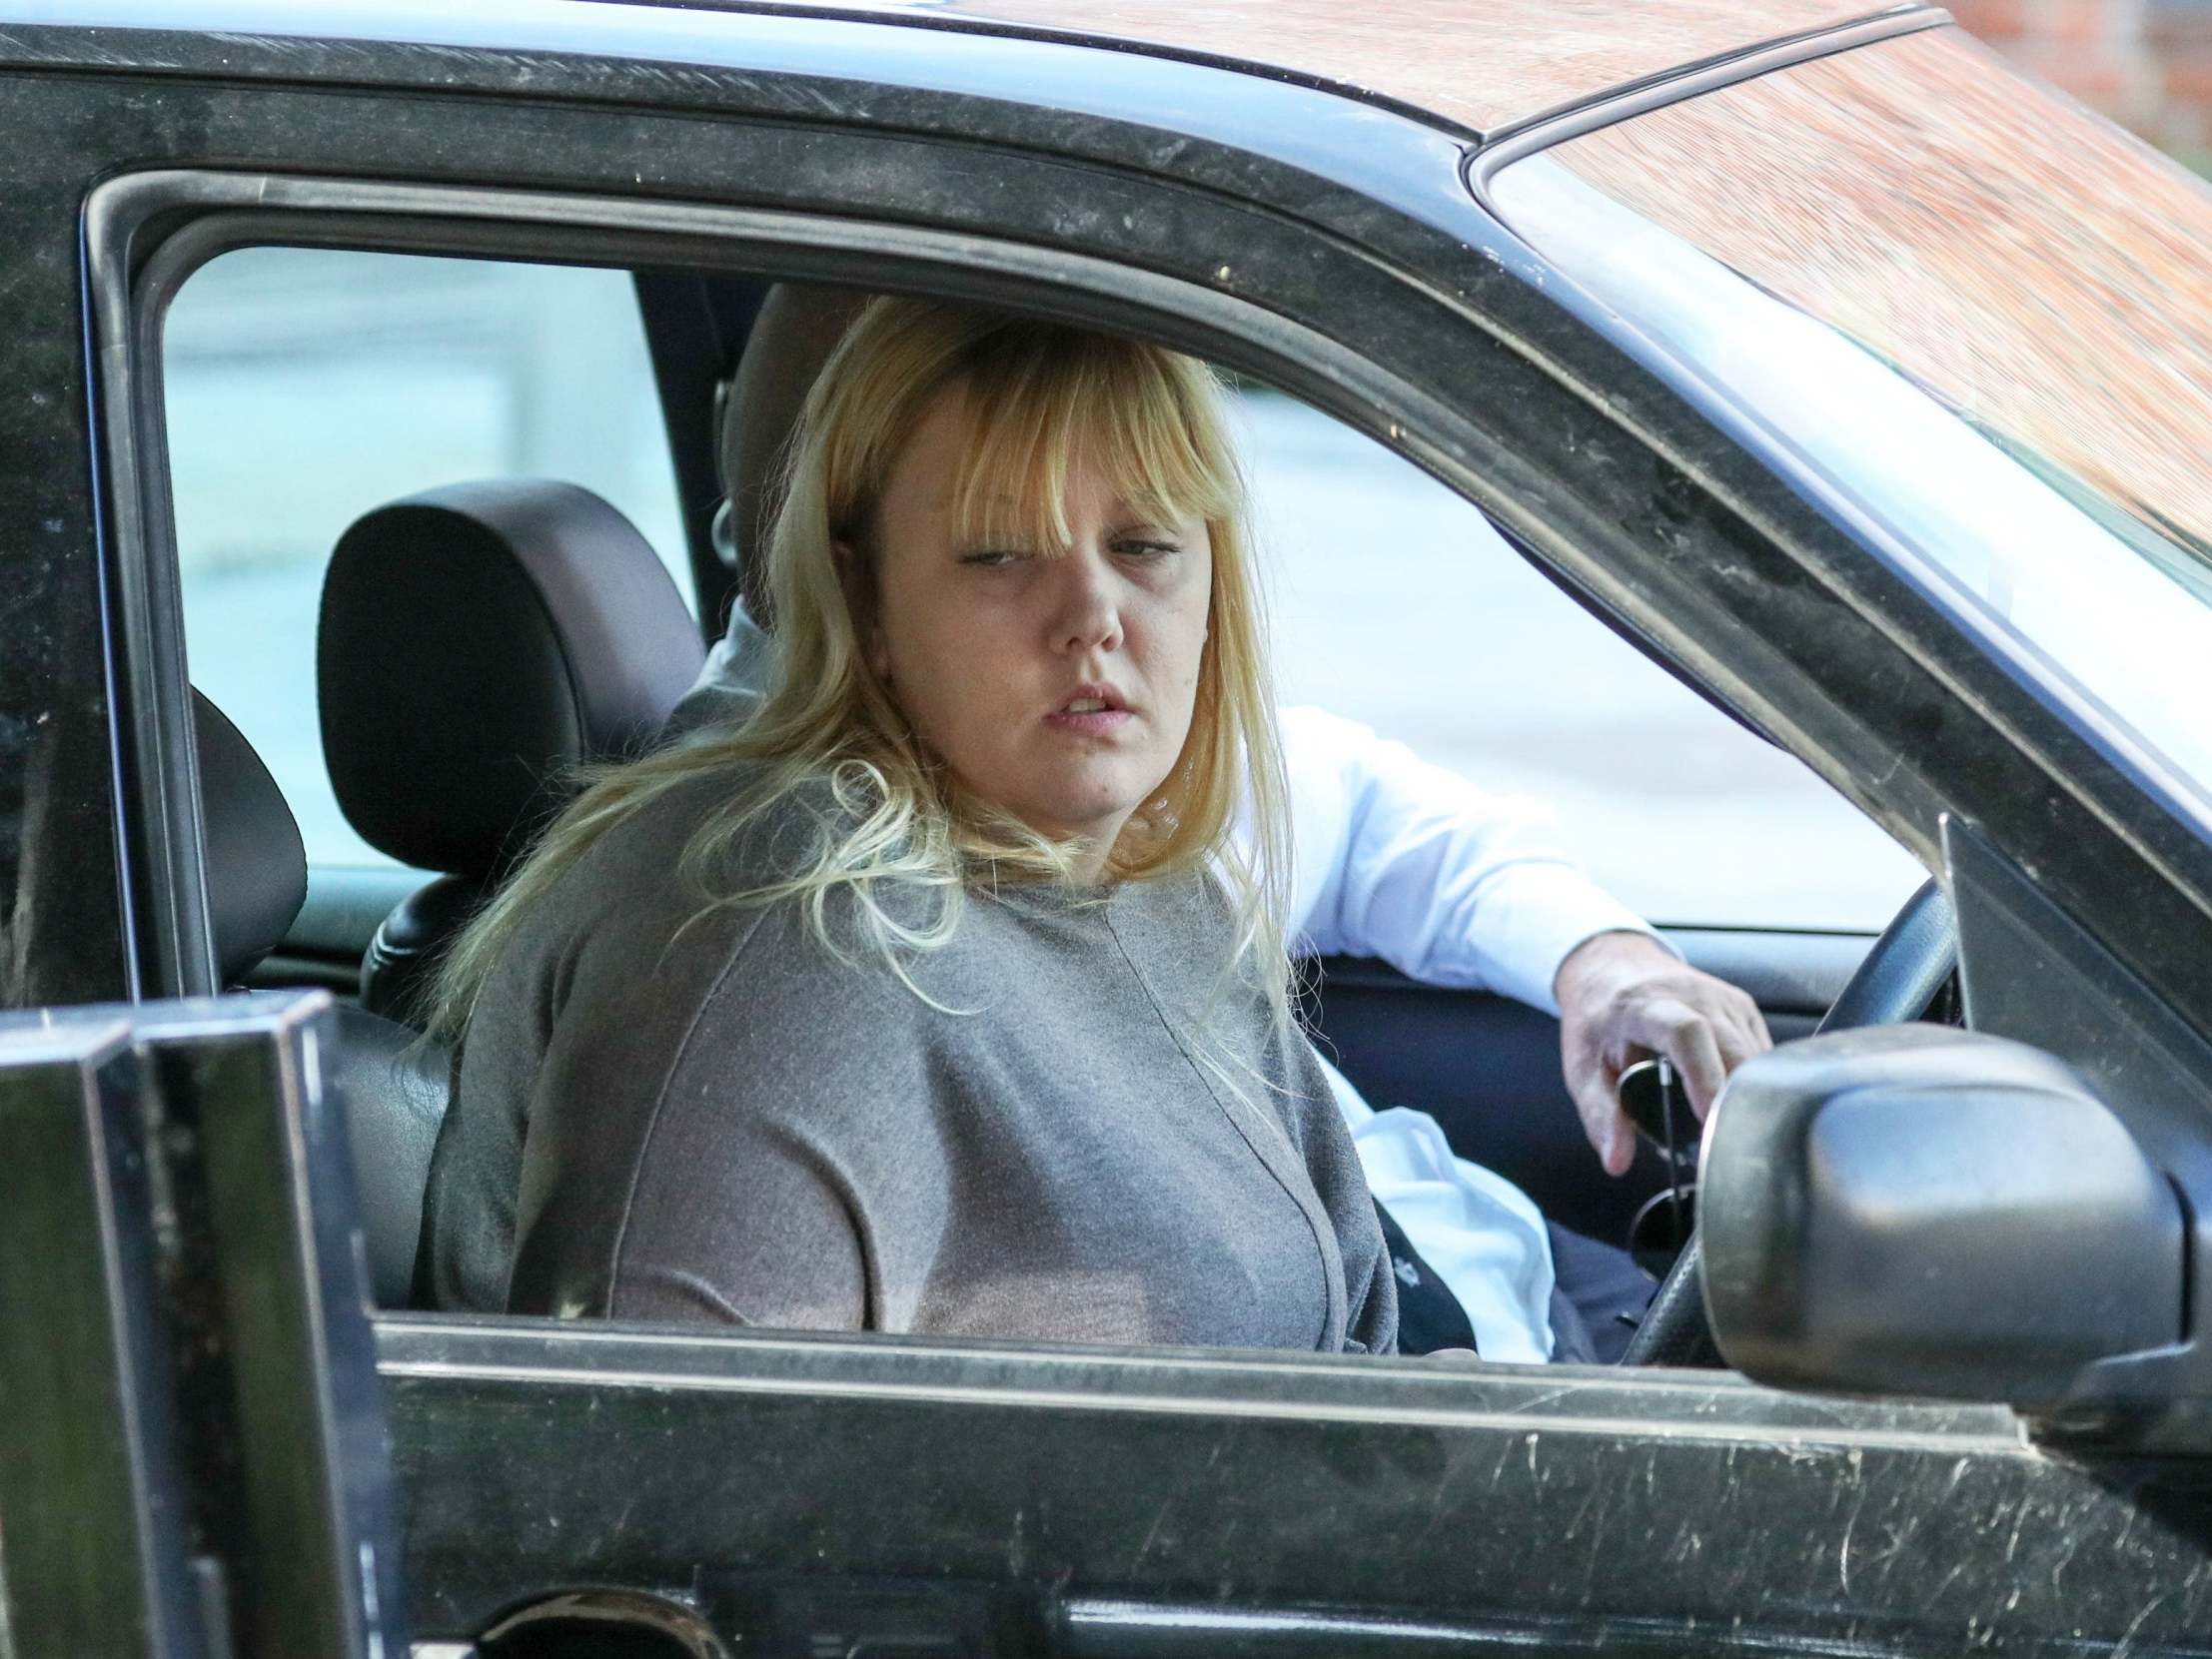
{"x": 1057, "y": 683}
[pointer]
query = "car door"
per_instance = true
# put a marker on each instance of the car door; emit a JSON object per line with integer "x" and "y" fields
{"x": 795, "y": 1490}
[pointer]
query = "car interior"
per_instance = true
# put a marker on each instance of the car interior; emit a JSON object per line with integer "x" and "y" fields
{"x": 480, "y": 641}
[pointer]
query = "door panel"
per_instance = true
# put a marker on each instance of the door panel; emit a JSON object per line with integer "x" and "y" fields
{"x": 1198, "y": 1502}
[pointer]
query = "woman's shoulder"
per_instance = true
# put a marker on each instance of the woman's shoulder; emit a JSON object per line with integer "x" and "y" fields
{"x": 733, "y": 850}
{"x": 724, "y": 829}
{"x": 679, "y": 904}
{"x": 640, "y": 876}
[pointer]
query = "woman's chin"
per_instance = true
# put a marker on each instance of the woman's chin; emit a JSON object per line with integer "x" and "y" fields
{"x": 1093, "y": 822}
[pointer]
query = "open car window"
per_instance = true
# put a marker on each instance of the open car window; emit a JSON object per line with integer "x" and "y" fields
{"x": 307, "y": 386}
{"x": 368, "y": 377}
{"x": 1395, "y": 605}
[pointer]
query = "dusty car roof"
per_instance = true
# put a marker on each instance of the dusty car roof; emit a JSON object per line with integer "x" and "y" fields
{"x": 1475, "y": 66}
{"x": 1479, "y": 64}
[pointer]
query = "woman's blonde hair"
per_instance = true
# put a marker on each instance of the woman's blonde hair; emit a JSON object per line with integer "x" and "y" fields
{"x": 1040, "y": 395}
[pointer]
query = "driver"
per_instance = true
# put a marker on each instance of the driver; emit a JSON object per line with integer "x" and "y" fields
{"x": 1397, "y": 859}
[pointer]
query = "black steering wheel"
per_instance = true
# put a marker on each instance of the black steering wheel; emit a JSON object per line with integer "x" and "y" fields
{"x": 1902, "y": 975}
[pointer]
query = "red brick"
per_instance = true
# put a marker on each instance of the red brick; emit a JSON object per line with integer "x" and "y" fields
{"x": 2188, "y": 77}
{"x": 2077, "y": 22}
{"x": 1991, "y": 20}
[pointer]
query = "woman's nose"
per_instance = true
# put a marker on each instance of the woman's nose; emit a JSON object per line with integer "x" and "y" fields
{"x": 1087, "y": 614}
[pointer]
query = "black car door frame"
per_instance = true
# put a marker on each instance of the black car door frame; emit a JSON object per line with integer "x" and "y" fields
{"x": 1166, "y": 1502}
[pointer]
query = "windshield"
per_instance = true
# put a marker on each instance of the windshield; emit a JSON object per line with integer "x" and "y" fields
{"x": 1983, "y": 310}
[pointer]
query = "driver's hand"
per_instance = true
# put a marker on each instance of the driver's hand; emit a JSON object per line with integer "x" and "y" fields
{"x": 1623, "y": 998}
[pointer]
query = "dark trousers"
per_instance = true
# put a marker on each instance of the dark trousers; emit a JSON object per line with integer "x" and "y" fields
{"x": 1598, "y": 1295}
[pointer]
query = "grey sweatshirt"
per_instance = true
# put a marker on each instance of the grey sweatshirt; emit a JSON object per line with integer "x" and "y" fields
{"x": 725, "y": 1122}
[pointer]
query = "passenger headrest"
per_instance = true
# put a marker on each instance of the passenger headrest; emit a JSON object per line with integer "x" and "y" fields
{"x": 475, "y": 643}
{"x": 255, "y": 862}
{"x": 798, "y": 326}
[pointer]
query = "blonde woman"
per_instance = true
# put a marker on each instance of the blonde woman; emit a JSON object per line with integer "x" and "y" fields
{"x": 938, "y": 997}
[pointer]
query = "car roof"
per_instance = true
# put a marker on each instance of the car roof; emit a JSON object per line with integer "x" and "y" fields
{"x": 1473, "y": 67}
{"x": 1477, "y": 65}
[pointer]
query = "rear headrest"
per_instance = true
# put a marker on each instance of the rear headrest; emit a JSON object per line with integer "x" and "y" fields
{"x": 478, "y": 641}
{"x": 255, "y": 862}
{"x": 792, "y": 337}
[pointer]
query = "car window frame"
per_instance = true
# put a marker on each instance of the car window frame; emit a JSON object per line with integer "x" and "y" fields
{"x": 375, "y": 215}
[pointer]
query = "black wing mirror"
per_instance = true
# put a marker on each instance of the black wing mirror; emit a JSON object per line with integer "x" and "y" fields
{"x": 1917, "y": 1209}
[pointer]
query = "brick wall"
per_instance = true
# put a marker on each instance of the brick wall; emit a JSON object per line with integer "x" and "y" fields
{"x": 2145, "y": 63}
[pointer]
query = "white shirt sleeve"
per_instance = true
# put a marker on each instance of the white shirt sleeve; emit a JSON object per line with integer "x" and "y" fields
{"x": 1392, "y": 857}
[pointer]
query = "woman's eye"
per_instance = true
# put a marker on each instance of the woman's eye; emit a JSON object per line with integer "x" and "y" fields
{"x": 992, "y": 558}
{"x": 1147, "y": 550}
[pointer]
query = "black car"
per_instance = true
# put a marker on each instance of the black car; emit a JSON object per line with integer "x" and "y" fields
{"x": 1818, "y": 363}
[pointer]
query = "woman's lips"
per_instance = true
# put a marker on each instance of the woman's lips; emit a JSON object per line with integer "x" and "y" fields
{"x": 1097, "y": 722}
{"x": 1094, "y": 709}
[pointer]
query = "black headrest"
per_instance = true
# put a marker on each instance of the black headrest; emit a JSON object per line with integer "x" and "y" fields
{"x": 255, "y": 863}
{"x": 792, "y": 337}
{"x": 478, "y": 641}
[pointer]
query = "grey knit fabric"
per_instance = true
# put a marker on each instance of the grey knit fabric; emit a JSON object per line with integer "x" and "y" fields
{"x": 1092, "y": 1138}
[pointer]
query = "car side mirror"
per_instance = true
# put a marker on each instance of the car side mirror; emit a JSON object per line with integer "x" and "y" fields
{"x": 1914, "y": 1209}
